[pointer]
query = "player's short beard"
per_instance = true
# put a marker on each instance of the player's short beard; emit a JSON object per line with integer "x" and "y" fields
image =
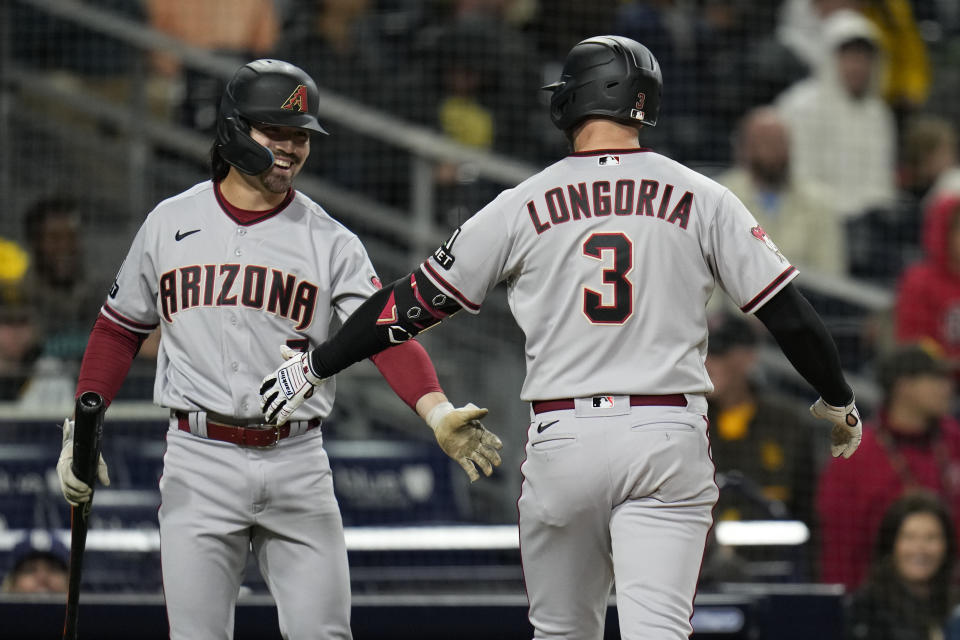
{"x": 276, "y": 181}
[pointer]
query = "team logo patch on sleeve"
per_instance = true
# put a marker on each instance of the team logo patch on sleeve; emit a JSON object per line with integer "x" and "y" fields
{"x": 761, "y": 235}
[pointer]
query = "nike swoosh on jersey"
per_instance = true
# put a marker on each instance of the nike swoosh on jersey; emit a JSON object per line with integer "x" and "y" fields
{"x": 543, "y": 427}
{"x": 180, "y": 236}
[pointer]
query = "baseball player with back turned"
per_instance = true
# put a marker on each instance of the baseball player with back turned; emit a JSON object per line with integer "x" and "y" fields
{"x": 609, "y": 257}
{"x": 229, "y": 266}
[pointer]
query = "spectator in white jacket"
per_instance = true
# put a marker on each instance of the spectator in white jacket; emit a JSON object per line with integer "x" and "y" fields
{"x": 843, "y": 133}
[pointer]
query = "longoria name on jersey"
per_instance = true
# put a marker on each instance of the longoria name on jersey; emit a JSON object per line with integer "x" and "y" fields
{"x": 230, "y": 285}
{"x": 624, "y": 198}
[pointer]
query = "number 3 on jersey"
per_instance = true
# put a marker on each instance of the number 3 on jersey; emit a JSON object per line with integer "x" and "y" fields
{"x": 598, "y": 309}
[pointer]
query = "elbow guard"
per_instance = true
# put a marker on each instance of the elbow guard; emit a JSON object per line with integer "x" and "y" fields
{"x": 414, "y": 305}
{"x": 389, "y": 317}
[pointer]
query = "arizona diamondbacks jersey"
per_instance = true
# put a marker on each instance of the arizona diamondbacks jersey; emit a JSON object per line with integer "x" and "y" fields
{"x": 610, "y": 258}
{"x": 229, "y": 294}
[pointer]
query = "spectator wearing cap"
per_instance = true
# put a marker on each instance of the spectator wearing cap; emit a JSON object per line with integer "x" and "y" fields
{"x": 40, "y": 565}
{"x": 912, "y": 443}
{"x": 762, "y": 442}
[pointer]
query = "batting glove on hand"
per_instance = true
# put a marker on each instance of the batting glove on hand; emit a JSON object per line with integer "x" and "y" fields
{"x": 286, "y": 388}
{"x": 75, "y": 490}
{"x": 463, "y": 438}
{"x": 847, "y": 426}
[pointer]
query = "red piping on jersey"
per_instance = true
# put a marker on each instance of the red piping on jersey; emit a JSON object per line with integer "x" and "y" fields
{"x": 603, "y": 152}
{"x": 450, "y": 288}
{"x": 757, "y": 299}
{"x": 247, "y": 217}
{"x": 119, "y": 317}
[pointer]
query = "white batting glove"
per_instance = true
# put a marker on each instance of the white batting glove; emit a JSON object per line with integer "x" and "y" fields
{"x": 75, "y": 490}
{"x": 286, "y": 388}
{"x": 847, "y": 426}
{"x": 463, "y": 438}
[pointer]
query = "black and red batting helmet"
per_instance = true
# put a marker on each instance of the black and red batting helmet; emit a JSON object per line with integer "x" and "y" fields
{"x": 264, "y": 91}
{"x": 608, "y": 77}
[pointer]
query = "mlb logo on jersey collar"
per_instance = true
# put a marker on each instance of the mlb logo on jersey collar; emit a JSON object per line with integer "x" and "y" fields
{"x": 604, "y": 161}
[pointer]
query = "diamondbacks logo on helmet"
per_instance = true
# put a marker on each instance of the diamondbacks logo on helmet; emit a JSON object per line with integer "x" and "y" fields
{"x": 297, "y": 100}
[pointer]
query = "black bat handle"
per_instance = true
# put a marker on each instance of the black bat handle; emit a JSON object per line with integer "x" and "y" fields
{"x": 87, "y": 433}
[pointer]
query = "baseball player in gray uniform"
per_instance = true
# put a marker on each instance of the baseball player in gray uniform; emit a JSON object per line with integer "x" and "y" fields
{"x": 225, "y": 268}
{"x": 609, "y": 257}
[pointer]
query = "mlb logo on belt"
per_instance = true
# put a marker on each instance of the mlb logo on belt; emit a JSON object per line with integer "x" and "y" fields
{"x": 602, "y": 402}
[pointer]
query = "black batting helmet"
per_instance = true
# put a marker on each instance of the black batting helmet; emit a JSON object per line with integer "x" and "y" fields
{"x": 609, "y": 77}
{"x": 268, "y": 92}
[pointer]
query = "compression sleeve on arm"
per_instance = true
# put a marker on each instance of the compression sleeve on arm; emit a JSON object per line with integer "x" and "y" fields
{"x": 110, "y": 352}
{"x": 408, "y": 370}
{"x": 807, "y": 344}
{"x": 389, "y": 317}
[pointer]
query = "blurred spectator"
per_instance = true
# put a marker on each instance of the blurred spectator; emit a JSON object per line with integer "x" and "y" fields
{"x": 19, "y": 347}
{"x": 907, "y": 73}
{"x": 800, "y": 26}
{"x": 793, "y": 211}
{"x": 668, "y": 29}
{"x": 75, "y": 58}
{"x": 244, "y": 28}
{"x": 336, "y": 41}
{"x": 476, "y": 71}
{"x": 762, "y": 442}
{"x": 560, "y": 24}
{"x": 909, "y": 592}
{"x": 344, "y": 47}
{"x": 39, "y": 565}
{"x": 13, "y": 266}
{"x": 843, "y": 133}
{"x": 58, "y": 287}
{"x": 928, "y": 294}
{"x": 929, "y": 164}
{"x": 911, "y": 443}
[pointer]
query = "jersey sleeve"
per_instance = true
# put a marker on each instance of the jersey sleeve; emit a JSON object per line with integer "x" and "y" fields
{"x": 354, "y": 278}
{"x": 132, "y": 301}
{"x": 474, "y": 259}
{"x": 746, "y": 262}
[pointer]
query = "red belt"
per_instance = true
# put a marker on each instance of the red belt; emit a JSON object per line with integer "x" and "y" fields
{"x": 259, "y": 436}
{"x": 670, "y": 400}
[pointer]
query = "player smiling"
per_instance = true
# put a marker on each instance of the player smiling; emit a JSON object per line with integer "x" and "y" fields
{"x": 231, "y": 269}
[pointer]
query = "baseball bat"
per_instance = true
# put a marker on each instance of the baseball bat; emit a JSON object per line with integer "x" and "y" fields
{"x": 87, "y": 433}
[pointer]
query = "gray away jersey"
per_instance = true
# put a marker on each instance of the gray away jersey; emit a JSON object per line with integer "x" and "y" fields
{"x": 609, "y": 259}
{"x": 229, "y": 294}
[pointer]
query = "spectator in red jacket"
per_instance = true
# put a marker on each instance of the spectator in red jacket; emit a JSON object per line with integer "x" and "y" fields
{"x": 928, "y": 296}
{"x": 911, "y": 443}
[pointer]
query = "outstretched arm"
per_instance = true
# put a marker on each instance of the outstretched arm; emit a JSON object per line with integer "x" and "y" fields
{"x": 391, "y": 316}
{"x": 808, "y": 346}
